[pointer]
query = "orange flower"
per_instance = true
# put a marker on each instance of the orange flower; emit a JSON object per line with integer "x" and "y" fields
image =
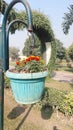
{"x": 27, "y": 59}
{"x": 17, "y": 62}
{"x": 37, "y": 58}
{"x": 32, "y": 57}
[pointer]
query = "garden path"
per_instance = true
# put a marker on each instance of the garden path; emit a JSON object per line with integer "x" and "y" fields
{"x": 63, "y": 76}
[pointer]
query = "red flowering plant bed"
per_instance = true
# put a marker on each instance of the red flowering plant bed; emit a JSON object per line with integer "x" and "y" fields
{"x": 31, "y": 64}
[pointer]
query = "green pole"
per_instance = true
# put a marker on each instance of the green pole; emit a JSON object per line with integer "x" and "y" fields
{"x": 29, "y": 27}
{"x": 1, "y": 98}
{"x": 1, "y": 84}
{"x": 4, "y": 56}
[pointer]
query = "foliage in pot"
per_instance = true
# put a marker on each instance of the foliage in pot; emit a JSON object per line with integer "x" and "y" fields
{"x": 30, "y": 65}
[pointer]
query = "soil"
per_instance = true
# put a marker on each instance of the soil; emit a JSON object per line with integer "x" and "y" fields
{"x": 25, "y": 117}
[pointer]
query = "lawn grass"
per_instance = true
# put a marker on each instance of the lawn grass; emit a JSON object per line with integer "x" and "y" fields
{"x": 63, "y": 86}
{"x": 63, "y": 66}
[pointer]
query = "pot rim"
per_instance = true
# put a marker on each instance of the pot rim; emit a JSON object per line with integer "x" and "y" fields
{"x": 13, "y": 75}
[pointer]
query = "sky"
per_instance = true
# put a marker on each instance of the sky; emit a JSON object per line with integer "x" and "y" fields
{"x": 55, "y": 10}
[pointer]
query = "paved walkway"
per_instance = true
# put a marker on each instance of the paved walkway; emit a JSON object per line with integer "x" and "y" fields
{"x": 63, "y": 76}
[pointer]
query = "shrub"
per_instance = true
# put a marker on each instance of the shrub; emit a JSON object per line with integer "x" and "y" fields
{"x": 6, "y": 82}
{"x": 51, "y": 97}
{"x": 57, "y": 99}
{"x": 67, "y": 104}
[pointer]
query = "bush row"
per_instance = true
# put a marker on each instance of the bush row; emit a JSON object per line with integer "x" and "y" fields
{"x": 63, "y": 101}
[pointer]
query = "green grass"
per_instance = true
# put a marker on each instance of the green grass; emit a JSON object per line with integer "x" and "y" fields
{"x": 62, "y": 66}
{"x": 63, "y": 86}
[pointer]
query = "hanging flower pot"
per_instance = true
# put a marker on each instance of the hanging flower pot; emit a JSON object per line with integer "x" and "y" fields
{"x": 28, "y": 80}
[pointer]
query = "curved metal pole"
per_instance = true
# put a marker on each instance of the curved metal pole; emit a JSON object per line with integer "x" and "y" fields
{"x": 3, "y": 57}
{"x": 29, "y": 26}
{"x": 28, "y": 12}
{"x": 7, "y": 38}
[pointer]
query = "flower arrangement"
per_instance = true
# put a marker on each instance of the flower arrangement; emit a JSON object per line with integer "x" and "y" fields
{"x": 31, "y": 64}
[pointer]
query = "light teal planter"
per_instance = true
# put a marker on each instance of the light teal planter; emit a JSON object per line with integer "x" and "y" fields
{"x": 28, "y": 87}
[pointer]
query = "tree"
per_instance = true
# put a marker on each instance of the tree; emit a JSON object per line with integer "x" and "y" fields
{"x": 12, "y": 15}
{"x": 32, "y": 46}
{"x": 68, "y": 20}
{"x": 3, "y": 6}
{"x": 60, "y": 50}
{"x": 13, "y": 53}
{"x": 70, "y": 51}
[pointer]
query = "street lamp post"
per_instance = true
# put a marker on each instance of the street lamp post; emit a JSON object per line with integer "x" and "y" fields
{"x": 4, "y": 47}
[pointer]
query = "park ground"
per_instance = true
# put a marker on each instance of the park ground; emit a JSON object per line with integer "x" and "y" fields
{"x": 27, "y": 117}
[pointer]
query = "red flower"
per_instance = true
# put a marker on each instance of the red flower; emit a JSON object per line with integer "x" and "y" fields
{"x": 17, "y": 62}
{"x": 28, "y": 59}
{"x": 37, "y": 58}
{"x": 32, "y": 57}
